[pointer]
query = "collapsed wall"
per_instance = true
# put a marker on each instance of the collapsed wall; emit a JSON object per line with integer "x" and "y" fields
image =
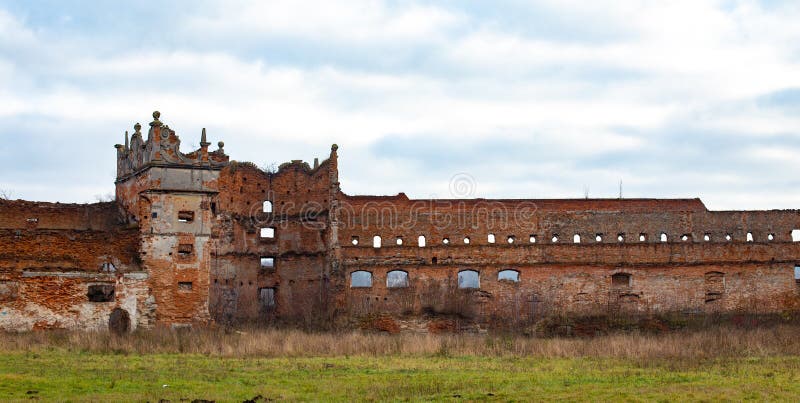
{"x": 69, "y": 266}
{"x": 193, "y": 239}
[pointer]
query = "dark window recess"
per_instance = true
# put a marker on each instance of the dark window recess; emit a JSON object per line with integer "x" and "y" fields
{"x": 101, "y": 293}
{"x": 214, "y": 208}
{"x": 714, "y": 286}
{"x": 266, "y": 297}
{"x": 154, "y": 215}
{"x": 186, "y": 216}
{"x": 621, "y": 280}
{"x": 185, "y": 286}
{"x": 185, "y": 249}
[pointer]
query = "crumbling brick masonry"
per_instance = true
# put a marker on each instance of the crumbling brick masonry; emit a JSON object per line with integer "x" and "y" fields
{"x": 194, "y": 239}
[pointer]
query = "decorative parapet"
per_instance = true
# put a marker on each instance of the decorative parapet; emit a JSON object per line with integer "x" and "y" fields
{"x": 162, "y": 148}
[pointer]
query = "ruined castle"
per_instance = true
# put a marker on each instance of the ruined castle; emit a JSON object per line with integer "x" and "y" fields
{"x": 197, "y": 239}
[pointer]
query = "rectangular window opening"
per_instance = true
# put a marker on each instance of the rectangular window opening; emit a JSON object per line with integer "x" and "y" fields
{"x": 267, "y": 262}
{"x": 797, "y": 274}
{"x": 101, "y": 293}
{"x": 266, "y": 297}
{"x": 185, "y": 249}
{"x": 185, "y": 216}
{"x": 268, "y": 233}
{"x": 796, "y": 235}
{"x": 185, "y": 286}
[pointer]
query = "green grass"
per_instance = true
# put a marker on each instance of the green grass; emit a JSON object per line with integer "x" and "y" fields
{"x": 59, "y": 374}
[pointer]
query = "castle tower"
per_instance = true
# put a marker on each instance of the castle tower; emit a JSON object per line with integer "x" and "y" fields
{"x": 171, "y": 196}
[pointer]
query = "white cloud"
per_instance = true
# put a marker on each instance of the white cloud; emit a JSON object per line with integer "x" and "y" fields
{"x": 694, "y": 65}
{"x": 341, "y": 21}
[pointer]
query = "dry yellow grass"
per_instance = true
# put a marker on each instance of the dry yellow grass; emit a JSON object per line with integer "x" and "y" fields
{"x": 711, "y": 343}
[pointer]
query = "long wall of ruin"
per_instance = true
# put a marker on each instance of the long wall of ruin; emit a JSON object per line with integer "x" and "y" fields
{"x": 195, "y": 239}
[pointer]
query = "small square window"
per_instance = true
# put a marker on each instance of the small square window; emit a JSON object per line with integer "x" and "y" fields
{"x": 268, "y": 233}
{"x": 267, "y": 262}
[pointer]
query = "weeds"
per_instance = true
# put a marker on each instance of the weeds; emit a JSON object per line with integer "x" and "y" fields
{"x": 687, "y": 345}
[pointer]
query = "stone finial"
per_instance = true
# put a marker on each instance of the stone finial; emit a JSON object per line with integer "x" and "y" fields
{"x": 156, "y": 122}
{"x": 221, "y": 144}
{"x": 203, "y": 141}
{"x": 334, "y": 147}
{"x": 138, "y": 129}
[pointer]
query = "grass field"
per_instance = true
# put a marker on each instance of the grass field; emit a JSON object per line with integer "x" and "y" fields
{"x": 712, "y": 365}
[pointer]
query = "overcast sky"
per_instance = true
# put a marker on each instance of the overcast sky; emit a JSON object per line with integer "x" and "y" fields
{"x": 532, "y": 99}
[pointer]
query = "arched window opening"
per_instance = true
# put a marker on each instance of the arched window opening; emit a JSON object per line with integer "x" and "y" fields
{"x": 598, "y": 238}
{"x": 266, "y": 207}
{"x": 466, "y": 240}
{"x": 399, "y": 241}
{"x": 620, "y": 237}
{"x": 446, "y": 241}
{"x": 749, "y": 237}
{"x": 376, "y": 241}
{"x": 354, "y": 240}
{"x": 728, "y": 237}
{"x": 396, "y": 279}
{"x": 532, "y": 239}
{"x": 663, "y": 237}
{"x": 796, "y": 235}
{"x": 642, "y": 237}
{"x": 684, "y": 237}
{"x": 576, "y": 238}
{"x": 511, "y": 239}
{"x": 508, "y": 275}
{"x": 421, "y": 241}
{"x": 620, "y": 280}
{"x": 770, "y": 237}
{"x": 468, "y": 279}
{"x": 490, "y": 238}
{"x": 707, "y": 237}
{"x": 554, "y": 238}
{"x": 360, "y": 279}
